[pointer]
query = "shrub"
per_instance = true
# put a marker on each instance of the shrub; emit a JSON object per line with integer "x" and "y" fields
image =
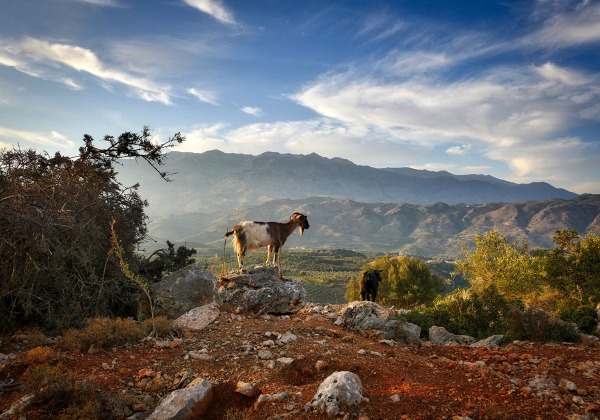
{"x": 103, "y": 332}
{"x": 465, "y": 312}
{"x": 40, "y": 355}
{"x": 537, "y": 325}
{"x": 58, "y": 392}
{"x": 587, "y": 324}
{"x": 163, "y": 327}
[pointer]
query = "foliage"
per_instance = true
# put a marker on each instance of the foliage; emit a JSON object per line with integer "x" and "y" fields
{"x": 164, "y": 261}
{"x": 406, "y": 282}
{"x": 465, "y": 311}
{"x": 62, "y": 396}
{"x": 55, "y": 238}
{"x": 574, "y": 267}
{"x": 103, "y": 332}
{"x": 510, "y": 268}
{"x": 537, "y": 325}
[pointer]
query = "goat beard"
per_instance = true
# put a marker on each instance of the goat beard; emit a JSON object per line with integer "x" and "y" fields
{"x": 301, "y": 231}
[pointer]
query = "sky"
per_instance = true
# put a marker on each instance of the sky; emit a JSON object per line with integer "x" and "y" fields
{"x": 507, "y": 88}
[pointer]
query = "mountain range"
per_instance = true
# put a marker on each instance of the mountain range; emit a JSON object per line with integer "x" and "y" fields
{"x": 350, "y": 206}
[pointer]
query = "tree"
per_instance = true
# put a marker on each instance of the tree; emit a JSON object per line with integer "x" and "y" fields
{"x": 167, "y": 260}
{"x": 510, "y": 268}
{"x": 55, "y": 215}
{"x": 574, "y": 266}
{"x": 406, "y": 282}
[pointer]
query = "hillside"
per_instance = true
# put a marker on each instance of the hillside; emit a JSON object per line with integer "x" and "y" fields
{"x": 523, "y": 380}
{"x": 428, "y": 230}
{"x": 215, "y": 182}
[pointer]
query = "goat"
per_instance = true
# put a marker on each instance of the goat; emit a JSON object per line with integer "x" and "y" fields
{"x": 255, "y": 235}
{"x": 369, "y": 284}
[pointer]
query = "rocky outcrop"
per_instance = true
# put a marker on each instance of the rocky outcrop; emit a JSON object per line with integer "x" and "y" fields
{"x": 184, "y": 290}
{"x": 260, "y": 291}
{"x": 185, "y": 404}
{"x": 339, "y": 393}
{"x": 371, "y": 319}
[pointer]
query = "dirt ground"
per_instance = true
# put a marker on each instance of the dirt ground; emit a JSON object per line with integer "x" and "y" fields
{"x": 521, "y": 381}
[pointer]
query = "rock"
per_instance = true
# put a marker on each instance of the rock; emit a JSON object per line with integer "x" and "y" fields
{"x": 491, "y": 342}
{"x": 265, "y": 398}
{"x": 374, "y": 320}
{"x": 260, "y": 291}
{"x": 287, "y": 338}
{"x": 198, "y": 318}
{"x": 567, "y": 385}
{"x": 265, "y": 355}
{"x": 184, "y": 290}
{"x": 245, "y": 388}
{"x": 188, "y": 403}
{"x": 440, "y": 336}
{"x": 321, "y": 365}
{"x": 339, "y": 392}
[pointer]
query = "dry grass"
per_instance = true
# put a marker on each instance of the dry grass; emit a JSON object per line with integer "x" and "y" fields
{"x": 103, "y": 333}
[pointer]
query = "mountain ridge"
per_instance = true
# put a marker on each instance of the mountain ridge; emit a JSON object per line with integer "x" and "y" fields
{"x": 214, "y": 180}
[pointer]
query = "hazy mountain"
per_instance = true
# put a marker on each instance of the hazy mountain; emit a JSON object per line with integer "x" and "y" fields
{"x": 217, "y": 181}
{"x": 427, "y": 230}
{"x": 348, "y": 205}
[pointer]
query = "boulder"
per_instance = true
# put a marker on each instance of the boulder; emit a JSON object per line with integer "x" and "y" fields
{"x": 188, "y": 403}
{"x": 337, "y": 394}
{"x": 198, "y": 318}
{"x": 490, "y": 342}
{"x": 441, "y": 336}
{"x": 260, "y": 291}
{"x": 371, "y": 319}
{"x": 184, "y": 290}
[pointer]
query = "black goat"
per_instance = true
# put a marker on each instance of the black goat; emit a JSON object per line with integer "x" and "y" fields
{"x": 369, "y": 284}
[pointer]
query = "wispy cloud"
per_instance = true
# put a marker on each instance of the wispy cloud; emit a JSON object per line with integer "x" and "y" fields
{"x": 214, "y": 8}
{"x": 204, "y": 95}
{"x": 577, "y": 26}
{"x": 46, "y": 60}
{"x": 103, "y": 3}
{"x": 255, "y": 111}
{"x": 52, "y": 139}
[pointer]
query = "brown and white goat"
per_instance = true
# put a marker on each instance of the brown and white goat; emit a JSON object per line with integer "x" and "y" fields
{"x": 255, "y": 235}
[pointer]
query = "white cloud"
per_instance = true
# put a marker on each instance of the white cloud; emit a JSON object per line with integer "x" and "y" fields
{"x": 52, "y": 139}
{"x": 204, "y": 95}
{"x": 214, "y": 8}
{"x": 42, "y": 59}
{"x": 567, "y": 28}
{"x": 459, "y": 150}
{"x": 255, "y": 111}
{"x": 104, "y": 3}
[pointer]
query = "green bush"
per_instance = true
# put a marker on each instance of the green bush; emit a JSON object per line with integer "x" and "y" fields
{"x": 537, "y": 325}
{"x": 587, "y": 324}
{"x": 465, "y": 312}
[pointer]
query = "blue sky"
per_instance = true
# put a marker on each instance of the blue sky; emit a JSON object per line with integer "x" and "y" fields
{"x": 507, "y": 88}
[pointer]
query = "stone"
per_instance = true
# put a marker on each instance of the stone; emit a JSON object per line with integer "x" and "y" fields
{"x": 441, "y": 336}
{"x": 490, "y": 342}
{"x": 185, "y": 404}
{"x": 339, "y": 392}
{"x": 260, "y": 291}
{"x": 287, "y": 338}
{"x": 245, "y": 388}
{"x": 373, "y": 320}
{"x": 198, "y": 318}
{"x": 184, "y": 290}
